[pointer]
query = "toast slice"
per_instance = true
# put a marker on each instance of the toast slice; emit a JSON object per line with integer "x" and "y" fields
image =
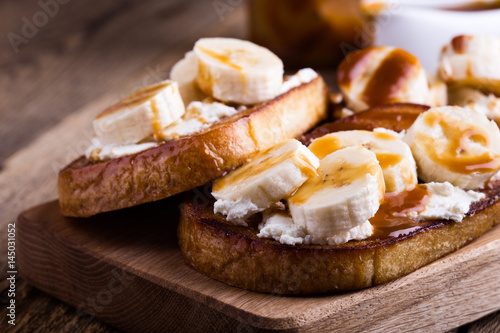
{"x": 87, "y": 187}
{"x": 236, "y": 256}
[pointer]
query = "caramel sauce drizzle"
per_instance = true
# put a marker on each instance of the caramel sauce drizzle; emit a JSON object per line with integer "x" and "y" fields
{"x": 387, "y": 160}
{"x": 326, "y": 145}
{"x": 459, "y": 43}
{"x": 224, "y": 58}
{"x": 156, "y": 120}
{"x": 353, "y": 66}
{"x": 391, "y": 219}
{"x": 134, "y": 99}
{"x": 339, "y": 174}
{"x": 389, "y": 78}
{"x": 383, "y": 136}
{"x": 256, "y": 166}
{"x": 456, "y": 154}
{"x": 476, "y": 6}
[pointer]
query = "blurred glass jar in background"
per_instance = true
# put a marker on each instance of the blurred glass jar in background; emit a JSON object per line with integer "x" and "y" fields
{"x": 309, "y": 32}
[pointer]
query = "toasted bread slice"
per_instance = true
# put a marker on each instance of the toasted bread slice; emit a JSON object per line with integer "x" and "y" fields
{"x": 87, "y": 188}
{"x": 236, "y": 256}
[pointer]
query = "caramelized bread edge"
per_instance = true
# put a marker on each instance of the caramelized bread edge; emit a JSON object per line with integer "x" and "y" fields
{"x": 86, "y": 188}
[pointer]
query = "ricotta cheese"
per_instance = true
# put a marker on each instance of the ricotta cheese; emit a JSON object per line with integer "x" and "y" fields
{"x": 280, "y": 227}
{"x": 99, "y": 152}
{"x": 304, "y": 75}
{"x": 198, "y": 116}
{"x": 447, "y": 202}
{"x": 362, "y": 231}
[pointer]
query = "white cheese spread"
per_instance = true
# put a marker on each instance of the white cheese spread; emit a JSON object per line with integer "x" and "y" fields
{"x": 198, "y": 116}
{"x": 362, "y": 231}
{"x": 447, "y": 202}
{"x": 99, "y": 152}
{"x": 304, "y": 75}
{"x": 280, "y": 227}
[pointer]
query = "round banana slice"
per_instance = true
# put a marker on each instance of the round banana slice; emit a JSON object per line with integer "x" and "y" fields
{"x": 455, "y": 144}
{"x": 233, "y": 70}
{"x": 269, "y": 177}
{"x": 394, "y": 156}
{"x": 381, "y": 75}
{"x": 144, "y": 113}
{"x": 346, "y": 192}
{"x": 185, "y": 72}
{"x": 472, "y": 61}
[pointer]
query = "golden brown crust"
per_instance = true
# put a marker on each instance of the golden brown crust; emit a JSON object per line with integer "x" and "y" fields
{"x": 236, "y": 256}
{"x": 87, "y": 188}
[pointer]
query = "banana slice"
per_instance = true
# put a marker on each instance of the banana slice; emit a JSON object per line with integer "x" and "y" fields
{"x": 233, "y": 70}
{"x": 394, "y": 156}
{"x": 270, "y": 176}
{"x": 381, "y": 75}
{"x": 346, "y": 192}
{"x": 185, "y": 72}
{"x": 472, "y": 61}
{"x": 455, "y": 144}
{"x": 144, "y": 113}
{"x": 474, "y": 99}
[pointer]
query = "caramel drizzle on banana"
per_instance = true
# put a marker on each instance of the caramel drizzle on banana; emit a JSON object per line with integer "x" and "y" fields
{"x": 457, "y": 154}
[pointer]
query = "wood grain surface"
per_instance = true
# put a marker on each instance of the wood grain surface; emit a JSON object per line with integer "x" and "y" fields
{"x": 87, "y": 56}
{"x": 112, "y": 267}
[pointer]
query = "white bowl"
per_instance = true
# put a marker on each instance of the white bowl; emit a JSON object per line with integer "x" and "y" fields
{"x": 423, "y": 31}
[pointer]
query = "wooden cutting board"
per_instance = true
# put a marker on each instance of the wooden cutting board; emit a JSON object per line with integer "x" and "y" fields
{"x": 125, "y": 268}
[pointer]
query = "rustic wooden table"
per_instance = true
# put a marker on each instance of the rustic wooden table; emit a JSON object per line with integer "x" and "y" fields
{"x": 60, "y": 64}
